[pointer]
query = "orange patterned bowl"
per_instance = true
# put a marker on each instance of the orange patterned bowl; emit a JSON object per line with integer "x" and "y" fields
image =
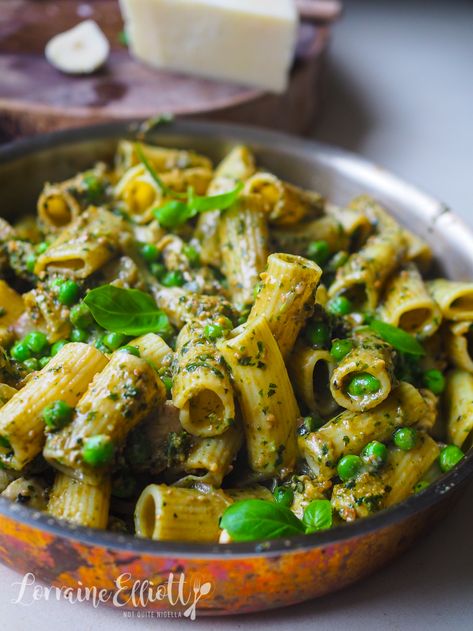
{"x": 177, "y": 579}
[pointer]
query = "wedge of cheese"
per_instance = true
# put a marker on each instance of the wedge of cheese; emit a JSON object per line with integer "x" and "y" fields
{"x": 244, "y": 41}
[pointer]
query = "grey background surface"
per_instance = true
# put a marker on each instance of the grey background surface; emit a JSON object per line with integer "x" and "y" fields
{"x": 400, "y": 92}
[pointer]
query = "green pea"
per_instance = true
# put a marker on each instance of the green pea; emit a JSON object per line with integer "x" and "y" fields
{"x": 81, "y": 316}
{"x": 149, "y": 252}
{"x": 98, "y": 451}
{"x": 349, "y": 467}
{"x": 56, "y": 347}
{"x": 192, "y": 255}
{"x": 405, "y": 438}
{"x": 341, "y": 348}
{"x": 283, "y": 495}
{"x": 375, "y": 454}
{"x": 68, "y": 293}
{"x": 57, "y": 415}
{"x": 158, "y": 270}
{"x": 131, "y": 350}
{"x": 42, "y": 247}
{"x": 226, "y": 323}
{"x": 421, "y": 486}
{"x": 339, "y": 306}
{"x": 20, "y": 351}
{"x": 434, "y": 381}
{"x": 79, "y": 335}
{"x": 319, "y": 252}
{"x": 114, "y": 340}
{"x": 30, "y": 263}
{"x": 363, "y": 383}
{"x": 36, "y": 341}
{"x": 213, "y": 331}
{"x": 31, "y": 364}
{"x": 317, "y": 334}
{"x": 43, "y": 361}
{"x": 449, "y": 457}
{"x": 173, "y": 278}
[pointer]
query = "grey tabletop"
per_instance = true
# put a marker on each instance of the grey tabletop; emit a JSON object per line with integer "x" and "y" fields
{"x": 400, "y": 92}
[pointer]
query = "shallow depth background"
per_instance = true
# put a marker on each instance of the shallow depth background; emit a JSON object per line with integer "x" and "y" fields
{"x": 399, "y": 92}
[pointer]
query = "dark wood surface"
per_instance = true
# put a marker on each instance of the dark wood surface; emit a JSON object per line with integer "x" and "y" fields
{"x": 35, "y": 97}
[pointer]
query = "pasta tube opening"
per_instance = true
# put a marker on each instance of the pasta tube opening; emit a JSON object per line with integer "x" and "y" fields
{"x": 56, "y": 207}
{"x": 455, "y": 298}
{"x": 201, "y": 409}
{"x": 363, "y": 379}
{"x": 201, "y": 389}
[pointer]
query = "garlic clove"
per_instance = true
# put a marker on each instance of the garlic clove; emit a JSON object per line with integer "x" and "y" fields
{"x": 81, "y": 50}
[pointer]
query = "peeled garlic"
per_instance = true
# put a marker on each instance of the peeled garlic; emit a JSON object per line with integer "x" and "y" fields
{"x": 81, "y": 50}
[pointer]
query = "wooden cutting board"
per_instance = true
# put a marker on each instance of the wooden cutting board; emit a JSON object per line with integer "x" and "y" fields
{"x": 35, "y": 97}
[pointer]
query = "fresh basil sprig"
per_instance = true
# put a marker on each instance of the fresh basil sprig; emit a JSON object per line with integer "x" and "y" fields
{"x": 184, "y": 206}
{"x": 251, "y": 520}
{"x": 399, "y": 339}
{"x": 254, "y": 519}
{"x": 126, "y": 311}
{"x": 175, "y": 212}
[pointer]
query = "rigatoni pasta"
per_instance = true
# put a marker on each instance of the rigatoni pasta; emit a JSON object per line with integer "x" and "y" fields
{"x": 243, "y": 234}
{"x": 459, "y": 406}
{"x": 120, "y": 396}
{"x": 201, "y": 388}
{"x": 459, "y": 344}
{"x": 286, "y": 297}
{"x": 84, "y": 246}
{"x": 80, "y": 503}
{"x": 364, "y": 377}
{"x": 65, "y": 377}
{"x": 408, "y": 304}
{"x": 235, "y": 168}
{"x": 455, "y": 299}
{"x": 348, "y": 432}
{"x": 269, "y": 407}
{"x": 311, "y": 371}
{"x": 170, "y": 513}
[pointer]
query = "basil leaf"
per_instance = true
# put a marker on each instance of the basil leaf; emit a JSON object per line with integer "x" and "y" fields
{"x": 172, "y": 214}
{"x": 127, "y": 311}
{"x": 250, "y": 520}
{"x": 399, "y": 339}
{"x": 317, "y": 516}
{"x": 215, "y": 202}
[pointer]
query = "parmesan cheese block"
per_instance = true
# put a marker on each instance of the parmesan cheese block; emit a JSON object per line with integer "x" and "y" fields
{"x": 244, "y": 41}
